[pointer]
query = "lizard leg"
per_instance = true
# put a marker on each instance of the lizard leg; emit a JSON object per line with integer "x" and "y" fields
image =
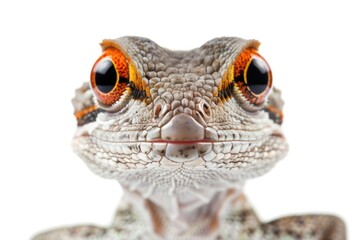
{"x": 308, "y": 227}
{"x": 126, "y": 225}
{"x": 82, "y": 232}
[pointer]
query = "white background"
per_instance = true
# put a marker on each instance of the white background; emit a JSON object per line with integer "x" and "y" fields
{"x": 48, "y": 47}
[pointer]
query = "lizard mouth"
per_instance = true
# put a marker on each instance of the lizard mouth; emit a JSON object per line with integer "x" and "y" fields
{"x": 277, "y": 134}
{"x": 228, "y": 153}
{"x": 184, "y": 129}
{"x": 186, "y": 151}
{"x": 183, "y": 142}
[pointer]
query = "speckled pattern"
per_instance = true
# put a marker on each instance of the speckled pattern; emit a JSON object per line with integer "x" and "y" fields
{"x": 183, "y": 151}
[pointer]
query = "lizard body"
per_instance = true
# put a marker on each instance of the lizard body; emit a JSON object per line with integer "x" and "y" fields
{"x": 182, "y": 131}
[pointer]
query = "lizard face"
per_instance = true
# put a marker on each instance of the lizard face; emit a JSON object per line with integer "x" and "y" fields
{"x": 152, "y": 117}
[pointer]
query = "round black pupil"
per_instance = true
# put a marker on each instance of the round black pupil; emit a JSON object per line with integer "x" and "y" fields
{"x": 257, "y": 76}
{"x": 105, "y": 76}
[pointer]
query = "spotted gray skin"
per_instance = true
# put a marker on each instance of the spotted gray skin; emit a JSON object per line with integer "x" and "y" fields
{"x": 183, "y": 154}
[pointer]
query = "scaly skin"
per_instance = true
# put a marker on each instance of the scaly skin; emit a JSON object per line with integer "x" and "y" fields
{"x": 182, "y": 151}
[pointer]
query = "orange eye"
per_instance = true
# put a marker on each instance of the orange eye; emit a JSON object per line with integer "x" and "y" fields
{"x": 252, "y": 75}
{"x": 110, "y": 76}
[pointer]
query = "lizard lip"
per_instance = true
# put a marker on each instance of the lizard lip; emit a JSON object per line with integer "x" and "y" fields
{"x": 183, "y": 142}
{"x": 276, "y": 134}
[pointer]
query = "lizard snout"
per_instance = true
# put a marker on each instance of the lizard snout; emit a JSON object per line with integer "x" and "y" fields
{"x": 182, "y": 133}
{"x": 182, "y": 127}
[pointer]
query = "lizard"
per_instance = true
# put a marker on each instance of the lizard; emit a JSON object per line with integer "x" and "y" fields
{"x": 182, "y": 131}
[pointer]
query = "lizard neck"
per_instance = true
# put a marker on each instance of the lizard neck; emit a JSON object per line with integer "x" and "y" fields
{"x": 183, "y": 212}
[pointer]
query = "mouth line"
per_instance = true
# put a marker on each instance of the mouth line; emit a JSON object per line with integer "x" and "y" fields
{"x": 278, "y": 135}
{"x": 189, "y": 142}
{"x": 88, "y": 134}
{"x": 175, "y": 142}
{"x": 184, "y": 142}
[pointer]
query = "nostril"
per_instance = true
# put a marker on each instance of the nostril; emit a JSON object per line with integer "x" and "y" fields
{"x": 161, "y": 109}
{"x": 204, "y": 109}
{"x": 157, "y": 111}
{"x": 207, "y": 109}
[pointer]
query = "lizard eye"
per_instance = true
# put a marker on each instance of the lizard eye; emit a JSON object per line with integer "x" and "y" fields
{"x": 110, "y": 76}
{"x": 252, "y": 75}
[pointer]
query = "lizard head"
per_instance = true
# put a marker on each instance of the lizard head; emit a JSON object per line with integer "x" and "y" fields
{"x": 152, "y": 117}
